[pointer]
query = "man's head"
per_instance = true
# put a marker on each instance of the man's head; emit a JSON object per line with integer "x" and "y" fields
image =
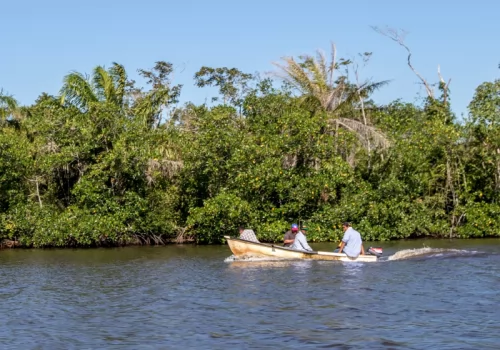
{"x": 346, "y": 225}
{"x": 304, "y": 228}
{"x": 241, "y": 229}
{"x": 295, "y": 228}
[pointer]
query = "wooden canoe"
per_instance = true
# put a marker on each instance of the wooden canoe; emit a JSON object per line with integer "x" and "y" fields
{"x": 248, "y": 249}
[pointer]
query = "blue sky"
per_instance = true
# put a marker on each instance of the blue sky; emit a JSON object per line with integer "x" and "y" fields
{"x": 44, "y": 40}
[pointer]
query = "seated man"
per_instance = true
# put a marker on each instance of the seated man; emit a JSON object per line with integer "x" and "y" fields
{"x": 248, "y": 235}
{"x": 290, "y": 235}
{"x": 300, "y": 242}
{"x": 351, "y": 244}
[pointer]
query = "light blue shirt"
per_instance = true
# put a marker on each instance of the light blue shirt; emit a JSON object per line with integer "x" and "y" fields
{"x": 300, "y": 242}
{"x": 352, "y": 240}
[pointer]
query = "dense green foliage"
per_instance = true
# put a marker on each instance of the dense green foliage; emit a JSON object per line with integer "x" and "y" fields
{"x": 108, "y": 163}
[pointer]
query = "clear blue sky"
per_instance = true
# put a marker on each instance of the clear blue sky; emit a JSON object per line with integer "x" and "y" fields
{"x": 44, "y": 40}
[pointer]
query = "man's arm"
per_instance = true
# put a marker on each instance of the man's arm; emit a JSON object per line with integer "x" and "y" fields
{"x": 362, "y": 249}
{"x": 345, "y": 239}
{"x": 342, "y": 245}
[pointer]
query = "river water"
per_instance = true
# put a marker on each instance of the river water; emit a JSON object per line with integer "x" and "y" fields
{"x": 423, "y": 295}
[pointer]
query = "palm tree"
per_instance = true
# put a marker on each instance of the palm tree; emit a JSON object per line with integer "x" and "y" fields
{"x": 8, "y": 105}
{"x": 316, "y": 79}
{"x": 104, "y": 86}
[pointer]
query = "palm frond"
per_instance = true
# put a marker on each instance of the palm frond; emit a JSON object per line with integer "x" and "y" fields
{"x": 332, "y": 67}
{"x": 8, "y": 105}
{"x": 119, "y": 75}
{"x": 295, "y": 74}
{"x": 7, "y": 101}
{"x": 369, "y": 88}
{"x": 315, "y": 78}
{"x": 318, "y": 73}
{"x": 104, "y": 84}
{"x": 77, "y": 90}
{"x": 365, "y": 133}
{"x": 150, "y": 105}
{"x": 336, "y": 97}
{"x": 322, "y": 65}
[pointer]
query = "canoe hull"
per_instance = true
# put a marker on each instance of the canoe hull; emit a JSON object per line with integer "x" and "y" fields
{"x": 246, "y": 249}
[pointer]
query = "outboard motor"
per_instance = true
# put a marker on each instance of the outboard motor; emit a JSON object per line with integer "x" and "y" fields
{"x": 377, "y": 251}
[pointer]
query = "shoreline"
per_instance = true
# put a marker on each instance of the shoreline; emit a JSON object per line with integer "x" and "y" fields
{"x": 11, "y": 244}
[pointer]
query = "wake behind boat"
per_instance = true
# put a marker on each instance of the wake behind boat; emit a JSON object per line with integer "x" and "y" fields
{"x": 248, "y": 249}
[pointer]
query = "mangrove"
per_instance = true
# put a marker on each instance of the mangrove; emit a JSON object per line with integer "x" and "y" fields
{"x": 106, "y": 162}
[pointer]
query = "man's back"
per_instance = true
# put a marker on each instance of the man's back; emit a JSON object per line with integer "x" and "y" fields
{"x": 300, "y": 242}
{"x": 353, "y": 242}
{"x": 289, "y": 235}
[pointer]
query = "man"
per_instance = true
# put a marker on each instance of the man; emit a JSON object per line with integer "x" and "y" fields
{"x": 248, "y": 235}
{"x": 304, "y": 229}
{"x": 300, "y": 242}
{"x": 351, "y": 244}
{"x": 290, "y": 235}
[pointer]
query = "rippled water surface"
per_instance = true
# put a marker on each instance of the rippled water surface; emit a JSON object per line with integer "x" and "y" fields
{"x": 176, "y": 297}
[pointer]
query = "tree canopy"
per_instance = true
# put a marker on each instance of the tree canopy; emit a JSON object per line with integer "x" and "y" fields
{"x": 108, "y": 162}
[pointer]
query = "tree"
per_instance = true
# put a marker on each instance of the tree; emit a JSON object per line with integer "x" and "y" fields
{"x": 399, "y": 36}
{"x": 103, "y": 86}
{"x": 321, "y": 84}
{"x": 232, "y": 82}
{"x": 8, "y": 105}
{"x": 484, "y": 131}
{"x": 152, "y": 104}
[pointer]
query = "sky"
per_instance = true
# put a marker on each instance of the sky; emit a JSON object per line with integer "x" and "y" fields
{"x": 42, "y": 41}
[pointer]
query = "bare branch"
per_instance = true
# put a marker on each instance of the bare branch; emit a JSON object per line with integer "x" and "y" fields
{"x": 446, "y": 85}
{"x": 361, "y": 101}
{"x": 439, "y": 74}
{"x": 36, "y": 180}
{"x": 443, "y": 85}
{"x": 399, "y": 36}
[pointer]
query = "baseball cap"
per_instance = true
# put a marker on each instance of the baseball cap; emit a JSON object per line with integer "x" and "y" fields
{"x": 295, "y": 227}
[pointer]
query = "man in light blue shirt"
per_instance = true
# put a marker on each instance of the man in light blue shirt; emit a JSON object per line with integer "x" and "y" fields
{"x": 351, "y": 244}
{"x": 300, "y": 242}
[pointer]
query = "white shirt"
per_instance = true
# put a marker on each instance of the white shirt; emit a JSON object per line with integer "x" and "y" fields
{"x": 300, "y": 242}
{"x": 352, "y": 240}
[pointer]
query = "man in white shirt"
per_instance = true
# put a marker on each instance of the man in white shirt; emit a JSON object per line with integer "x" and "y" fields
{"x": 351, "y": 244}
{"x": 300, "y": 242}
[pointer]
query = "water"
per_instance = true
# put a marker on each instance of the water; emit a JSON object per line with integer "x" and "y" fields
{"x": 182, "y": 297}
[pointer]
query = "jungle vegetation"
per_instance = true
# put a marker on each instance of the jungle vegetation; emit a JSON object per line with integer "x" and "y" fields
{"x": 107, "y": 162}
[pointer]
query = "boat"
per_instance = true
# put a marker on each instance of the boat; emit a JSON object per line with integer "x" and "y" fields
{"x": 243, "y": 249}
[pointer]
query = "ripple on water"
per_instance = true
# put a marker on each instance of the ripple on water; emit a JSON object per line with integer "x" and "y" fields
{"x": 194, "y": 297}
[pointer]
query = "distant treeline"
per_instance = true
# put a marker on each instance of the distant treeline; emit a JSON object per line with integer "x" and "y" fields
{"x": 106, "y": 162}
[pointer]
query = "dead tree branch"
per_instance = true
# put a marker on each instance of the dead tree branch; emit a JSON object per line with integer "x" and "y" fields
{"x": 399, "y": 36}
{"x": 443, "y": 85}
